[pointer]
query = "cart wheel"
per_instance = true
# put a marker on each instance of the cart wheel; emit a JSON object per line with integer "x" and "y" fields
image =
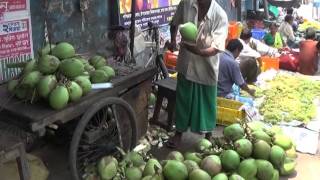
{"x": 108, "y": 124}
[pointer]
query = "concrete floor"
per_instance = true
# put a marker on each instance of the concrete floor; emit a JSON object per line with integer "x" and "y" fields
{"x": 56, "y": 159}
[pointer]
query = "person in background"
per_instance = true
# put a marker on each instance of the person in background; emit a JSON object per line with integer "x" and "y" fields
{"x": 273, "y": 38}
{"x": 290, "y": 11}
{"x": 315, "y": 9}
{"x": 229, "y": 71}
{"x": 308, "y": 57}
{"x": 250, "y": 56}
{"x": 287, "y": 32}
{"x": 197, "y": 67}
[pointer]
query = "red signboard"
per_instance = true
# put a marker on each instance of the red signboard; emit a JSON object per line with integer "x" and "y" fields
{"x": 14, "y": 38}
{"x": 15, "y": 45}
{"x": 13, "y": 5}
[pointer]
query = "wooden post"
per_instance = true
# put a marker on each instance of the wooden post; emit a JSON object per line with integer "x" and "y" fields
{"x": 132, "y": 28}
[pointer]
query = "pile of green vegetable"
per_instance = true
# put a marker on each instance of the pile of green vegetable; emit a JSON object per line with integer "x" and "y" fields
{"x": 58, "y": 76}
{"x": 245, "y": 152}
{"x": 289, "y": 97}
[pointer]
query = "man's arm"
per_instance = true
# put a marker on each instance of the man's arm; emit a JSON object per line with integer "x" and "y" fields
{"x": 176, "y": 21}
{"x": 238, "y": 79}
{"x": 247, "y": 89}
{"x": 172, "y": 46}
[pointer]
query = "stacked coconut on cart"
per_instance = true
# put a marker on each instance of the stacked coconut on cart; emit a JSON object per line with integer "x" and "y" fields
{"x": 59, "y": 76}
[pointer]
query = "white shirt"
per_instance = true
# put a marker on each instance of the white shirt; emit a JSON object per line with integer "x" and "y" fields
{"x": 286, "y": 32}
{"x": 256, "y": 49}
{"x": 212, "y": 32}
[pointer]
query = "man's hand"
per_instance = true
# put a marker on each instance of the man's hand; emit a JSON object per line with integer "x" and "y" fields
{"x": 201, "y": 52}
{"x": 190, "y": 47}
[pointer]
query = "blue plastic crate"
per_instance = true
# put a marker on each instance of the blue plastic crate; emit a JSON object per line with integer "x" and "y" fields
{"x": 258, "y": 33}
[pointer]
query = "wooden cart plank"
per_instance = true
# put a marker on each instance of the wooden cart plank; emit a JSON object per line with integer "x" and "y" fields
{"x": 41, "y": 115}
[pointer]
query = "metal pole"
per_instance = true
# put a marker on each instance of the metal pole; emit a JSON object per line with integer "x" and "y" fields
{"x": 132, "y": 28}
{"x": 266, "y": 10}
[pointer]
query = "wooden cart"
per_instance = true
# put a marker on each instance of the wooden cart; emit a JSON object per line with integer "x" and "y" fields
{"x": 104, "y": 119}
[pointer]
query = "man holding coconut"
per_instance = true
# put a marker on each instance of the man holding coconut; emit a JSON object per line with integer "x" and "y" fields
{"x": 197, "y": 66}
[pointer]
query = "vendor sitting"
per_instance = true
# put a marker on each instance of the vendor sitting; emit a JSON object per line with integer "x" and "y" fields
{"x": 229, "y": 71}
{"x": 287, "y": 32}
{"x": 249, "y": 57}
{"x": 273, "y": 38}
{"x": 308, "y": 57}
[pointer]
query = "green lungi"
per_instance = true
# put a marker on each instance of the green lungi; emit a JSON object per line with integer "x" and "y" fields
{"x": 196, "y": 106}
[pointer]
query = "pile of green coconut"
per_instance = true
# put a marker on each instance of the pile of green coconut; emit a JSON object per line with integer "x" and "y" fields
{"x": 245, "y": 152}
{"x": 58, "y": 76}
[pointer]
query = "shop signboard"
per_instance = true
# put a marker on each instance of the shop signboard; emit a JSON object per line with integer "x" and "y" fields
{"x": 159, "y": 12}
{"x": 15, "y": 36}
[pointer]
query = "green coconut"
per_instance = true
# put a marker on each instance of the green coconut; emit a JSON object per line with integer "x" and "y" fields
{"x": 107, "y": 167}
{"x": 98, "y": 61}
{"x": 236, "y": 177}
{"x": 199, "y": 174}
{"x": 203, "y": 144}
{"x": 288, "y": 167}
{"x": 175, "y": 155}
{"x": 243, "y": 147}
{"x": 261, "y": 150}
{"x": 275, "y": 130}
{"x": 211, "y": 164}
{"x": 261, "y": 135}
{"x": 157, "y": 177}
{"x": 147, "y": 178}
{"x": 152, "y": 99}
{"x": 84, "y": 83}
{"x": 233, "y": 132}
{"x": 46, "y": 85}
{"x": 75, "y": 91}
{"x": 264, "y": 169}
{"x": 256, "y": 126}
{"x": 89, "y": 68}
{"x": 191, "y": 165}
{"x": 48, "y": 64}
{"x": 189, "y": 31}
{"x": 276, "y": 175}
{"x": 283, "y": 141}
{"x": 135, "y": 158}
{"x": 196, "y": 157}
{"x": 63, "y": 50}
{"x": 46, "y": 49}
{"x": 277, "y": 156}
{"x": 152, "y": 167}
{"x": 31, "y": 79}
{"x": 109, "y": 70}
{"x": 30, "y": 66}
{"x": 133, "y": 173}
{"x": 154, "y": 177}
{"x": 12, "y": 84}
{"x": 291, "y": 153}
{"x": 71, "y": 68}
{"x": 230, "y": 160}
{"x": 247, "y": 168}
{"x": 59, "y": 97}
{"x": 99, "y": 76}
{"x": 83, "y": 60}
{"x": 220, "y": 176}
{"x": 175, "y": 170}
